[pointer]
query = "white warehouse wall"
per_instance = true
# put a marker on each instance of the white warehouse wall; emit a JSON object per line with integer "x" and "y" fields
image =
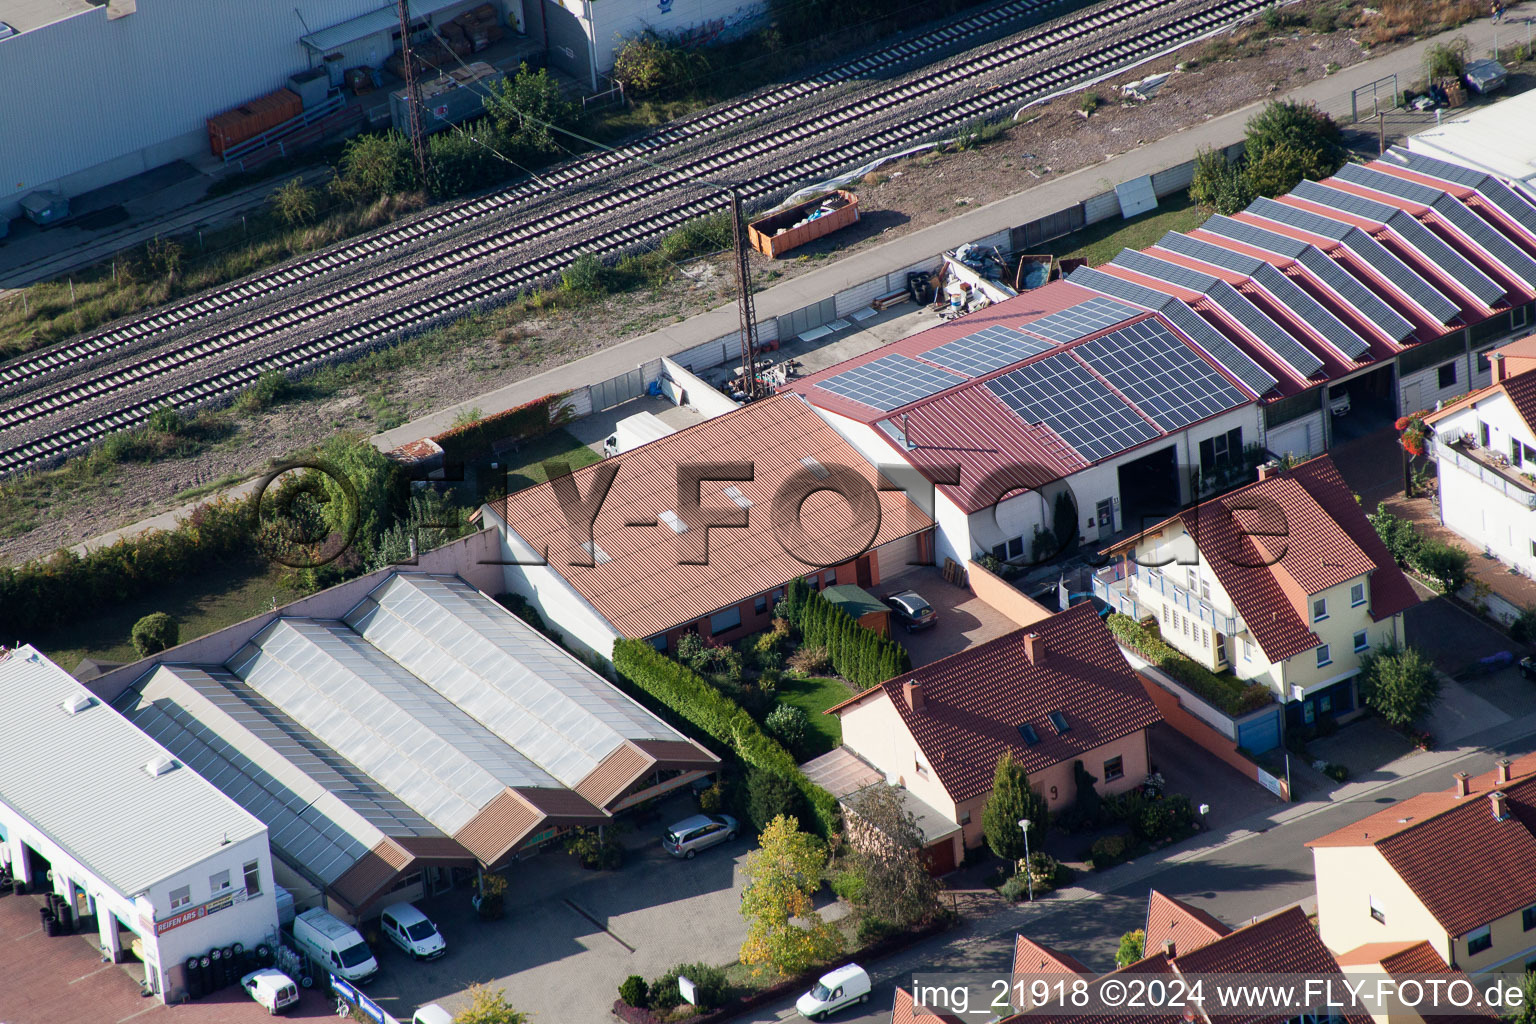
{"x": 610, "y": 22}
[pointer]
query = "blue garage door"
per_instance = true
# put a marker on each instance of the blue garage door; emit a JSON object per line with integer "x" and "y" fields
{"x": 1260, "y": 734}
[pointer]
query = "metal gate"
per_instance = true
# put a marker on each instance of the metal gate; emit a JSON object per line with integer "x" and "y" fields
{"x": 803, "y": 319}
{"x": 617, "y": 390}
{"x": 565, "y": 43}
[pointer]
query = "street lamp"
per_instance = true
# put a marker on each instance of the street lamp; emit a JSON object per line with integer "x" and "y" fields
{"x": 1029, "y": 877}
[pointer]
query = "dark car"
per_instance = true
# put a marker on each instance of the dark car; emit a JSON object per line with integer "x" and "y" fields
{"x": 912, "y": 611}
{"x": 1527, "y": 667}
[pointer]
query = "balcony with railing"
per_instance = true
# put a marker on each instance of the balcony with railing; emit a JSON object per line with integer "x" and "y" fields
{"x": 1117, "y": 585}
{"x": 1490, "y": 467}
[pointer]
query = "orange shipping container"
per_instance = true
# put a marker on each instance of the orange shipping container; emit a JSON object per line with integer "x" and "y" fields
{"x": 780, "y": 232}
{"x": 251, "y": 119}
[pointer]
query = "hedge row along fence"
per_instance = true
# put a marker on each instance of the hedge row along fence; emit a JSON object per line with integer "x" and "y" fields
{"x": 40, "y": 595}
{"x": 687, "y": 694}
{"x": 860, "y": 655}
{"x": 524, "y": 423}
{"x": 1229, "y": 695}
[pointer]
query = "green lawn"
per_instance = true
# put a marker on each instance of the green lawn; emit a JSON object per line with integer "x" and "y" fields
{"x": 527, "y": 467}
{"x": 207, "y": 602}
{"x": 1101, "y": 242}
{"x": 813, "y": 696}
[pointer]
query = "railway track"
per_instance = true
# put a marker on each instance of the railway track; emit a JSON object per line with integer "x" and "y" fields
{"x": 208, "y": 368}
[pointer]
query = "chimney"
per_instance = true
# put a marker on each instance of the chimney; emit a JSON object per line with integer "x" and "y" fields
{"x": 1463, "y": 784}
{"x": 1269, "y": 469}
{"x": 914, "y": 693}
{"x": 1168, "y": 948}
{"x": 1500, "y": 804}
{"x": 1499, "y": 372}
{"x": 1502, "y": 764}
{"x": 1034, "y": 648}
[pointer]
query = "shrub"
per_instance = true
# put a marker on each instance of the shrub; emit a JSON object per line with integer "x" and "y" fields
{"x": 1336, "y": 772}
{"x": 634, "y": 991}
{"x": 872, "y": 929}
{"x": 788, "y": 724}
{"x": 1107, "y": 850}
{"x": 1231, "y": 695}
{"x": 652, "y": 64}
{"x": 709, "y": 984}
{"x": 596, "y": 851}
{"x": 1090, "y": 102}
{"x": 154, "y": 633}
{"x": 1014, "y": 888}
{"x": 585, "y": 278}
{"x": 295, "y": 202}
{"x": 848, "y": 885}
{"x": 1398, "y": 684}
{"x": 715, "y": 798}
{"x": 809, "y": 661}
{"x": 1443, "y": 563}
{"x": 769, "y": 796}
{"x": 270, "y": 389}
{"x": 1446, "y": 60}
{"x": 1523, "y": 629}
{"x": 690, "y": 651}
{"x": 465, "y": 443}
{"x": 1133, "y": 946}
{"x": 1217, "y": 184}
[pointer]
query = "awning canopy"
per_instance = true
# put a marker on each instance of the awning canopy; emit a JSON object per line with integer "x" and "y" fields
{"x": 365, "y": 25}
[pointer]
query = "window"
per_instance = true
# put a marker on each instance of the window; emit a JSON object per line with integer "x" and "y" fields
{"x": 1324, "y": 704}
{"x": 1114, "y": 769}
{"x": 1528, "y": 918}
{"x": 965, "y": 817}
{"x": 1483, "y": 437}
{"x": 1186, "y": 625}
{"x": 1483, "y": 365}
{"x": 217, "y": 883}
{"x": 1000, "y": 552}
{"x": 1357, "y": 595}
{"x": 760, "y": 603}
{"x": 1323, "y": 657}
{"x": 1361, "y": 643}
{"x": 1221, "y": 451}
{"x": 1028, "y": 734}
{"x": 1194, "y": 580}
{"x": 253, "y": 878}
{"x": 1518, "y": 317}
{"x": 1016, "y": 548}
{"x": 1165, "y": 607}
{"x": 829, "y": 578}
{"x": 1059, "y": 722}
{"x": 721, "y": 622}
{"x": 1205, "y": 589}
{"x": 1479, "y": 940}
{"x": 181, "y": 897}
{"x": 1319, "y": 609}
{"x": 1377, "y": 913}
{"x": 1308, "y": 712}
{"x": 1447, "y": 375}
{"x": 1247, "y": 649}
{"x": 1514, "y": 452}
{"x": 921, "y": 768}
{"x": 660, "y": 642}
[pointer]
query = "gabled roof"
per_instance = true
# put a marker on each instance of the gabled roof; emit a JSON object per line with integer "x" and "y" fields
{"x": 1275, "y": 542}
{"x": 1415, "y": 960}
{"x": 1495, "y": 861}
{"x": 1031, "y": 958}
{"x": 905, "y": 1011}
{"x": 645, "y": 582}
{"x": 974, "y": 702}
{"x": 1187, "y": 927}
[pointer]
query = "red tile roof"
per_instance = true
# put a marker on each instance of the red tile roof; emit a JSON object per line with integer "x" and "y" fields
{"x": 1415, "y": 960}
{"x": 644, "y": 590}
{"x": 1033, "y": 958}
{"x": 905, "y": 1011}
{"x": 975, "y": 701}
{"x": 1494, "y": 861}
{"x": 1188, "y": 927}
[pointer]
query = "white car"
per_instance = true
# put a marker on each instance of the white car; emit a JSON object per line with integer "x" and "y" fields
{"x": 843, "y": 987}
{"x": 412, "y": 931}
{"x": 271, "y": 988}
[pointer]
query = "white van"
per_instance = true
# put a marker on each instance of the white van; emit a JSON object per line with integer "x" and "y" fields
{"x": 271, "y": 988}
{"x": 432, "y": 1014}
{"x": 843, "y": 987}
{"x": 334, "y": 945}
{"x": 410, "y": 929}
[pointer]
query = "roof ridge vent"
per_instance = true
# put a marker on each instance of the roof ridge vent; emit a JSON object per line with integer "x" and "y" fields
{"x": 159, "y": 765}
{"x": 77, "y": 702}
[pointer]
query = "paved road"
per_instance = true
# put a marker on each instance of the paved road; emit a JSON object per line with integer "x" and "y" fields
{"x": 1259, "y": 866}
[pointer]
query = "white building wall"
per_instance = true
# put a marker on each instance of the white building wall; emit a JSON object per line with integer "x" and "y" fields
{"x": 1499, "y": 519}
{"x": 1302, "y": 437}
{"x": 698, "y": 22}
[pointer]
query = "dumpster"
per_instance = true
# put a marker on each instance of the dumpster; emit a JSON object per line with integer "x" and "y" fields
{"x": 780, "y": 232}
{"x": 45, "y": 207}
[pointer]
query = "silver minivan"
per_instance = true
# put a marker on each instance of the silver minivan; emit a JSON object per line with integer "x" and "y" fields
{"x": 699, "y": 832}
{"x": 412, "y": 931}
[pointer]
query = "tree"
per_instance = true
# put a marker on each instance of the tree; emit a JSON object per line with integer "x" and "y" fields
{"x": 489, "y": 1006}
{"x": 781, "y": 875}
{"x": 886, "y": 849}
{"x": 1012, "y": 800}
{"x": 1399, "y": 684}
{"x": 1219, "y": 184}
{"x": 1316, "y": 141}
{"x": 1133, "y": 946}
{"x": 528, "y": 106}
{"x": 295, "y": 202}
{"x": 1282, "y": 167}
{"x": 770, "y": 795}
{"x": 1446, "y": 60}
{"x": 650, "y": 63}
{"x": 788, "y": 724}
{"x": 1526, "y": 1014}
{"x": 154, "y": 633}
{"x": 362, "y": 489}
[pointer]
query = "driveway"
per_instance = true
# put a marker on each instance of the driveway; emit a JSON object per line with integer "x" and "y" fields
{"x": 965, "y": 620}
{"x": 570, "y": 935}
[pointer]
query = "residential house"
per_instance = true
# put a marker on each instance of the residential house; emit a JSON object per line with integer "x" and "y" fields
{"x": 1187, "y": 927}
{"x": 1283, "y": 582}
{"x": 1485, "y": 450}
{"x": 1051, "y": 694}
{"x": 1418, "y": 962}
{"x": 1454, "y": 868}
{"x": 624, "y": 548}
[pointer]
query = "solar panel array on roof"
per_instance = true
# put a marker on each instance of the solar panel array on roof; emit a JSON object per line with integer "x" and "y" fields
{"x": 1259, "y": 238}
{"x": 1154, "y": 369}
{"x": 1163, "y": 270}
{"x": 1373, "y": 253}
{"x": 1059, "y": 392}
{"x": 1207, "y": 252}
{"x": 1081, "y": 320}
{"x": 1507, "y": 200}
{"x": 1428, "y": 244}
{"x": 1175, "y": 311}
{"x": 890, "y": 382}
{"x": 988, "y": 349}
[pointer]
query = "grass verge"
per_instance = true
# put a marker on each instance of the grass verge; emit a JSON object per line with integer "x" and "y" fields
{"x": 1100, "y": 243}
{"x": 814, "y": 695}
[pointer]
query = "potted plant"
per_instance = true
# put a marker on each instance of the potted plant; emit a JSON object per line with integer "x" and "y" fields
{"x": 1413, "y": 433}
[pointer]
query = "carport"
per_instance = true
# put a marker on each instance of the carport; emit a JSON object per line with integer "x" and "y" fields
{"x": 1149, "y": 487}
{"x": 1360, "y": 405}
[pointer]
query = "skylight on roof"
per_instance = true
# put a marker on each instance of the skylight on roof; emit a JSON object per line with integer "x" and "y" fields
{"x": 671, "y": 519}
{"x": 816, "y": 468}
{"x": 1058, "y": 722}
{"x": 599, "y": 556}
{"x": 734, "y": 493}
{"x": 1027, "y": 732}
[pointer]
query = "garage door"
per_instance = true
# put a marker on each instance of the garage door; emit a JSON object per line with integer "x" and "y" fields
{"x": 941, "y": 856}
{"x": 1260, "y": 734}
{"x": 566, "y": 42}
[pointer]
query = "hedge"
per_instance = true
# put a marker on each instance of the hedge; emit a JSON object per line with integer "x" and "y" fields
{"x": 43, "y": 594}
{"x": 860, "y": 655}
{"x": 1230, "y": 695}
{"x": 687, "y": 694}
{"x": 527, "y": 421}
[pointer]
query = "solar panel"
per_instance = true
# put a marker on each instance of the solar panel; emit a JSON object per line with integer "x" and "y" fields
{"x": 988, "y": 349}
{"x": 1175, "y": 311}
{"x": 1163, "y": 270}
{"x": 1059, "y": 392}
{"x": 1371, "y": 252}
{"x": 1159, "y": 373}
{"x": 1429, "y": 245}
{"x": 1082, "y": 319}
{"x": 890, "y": 382}
{"x": 1508, "y": 201}
{"x": 1391, "y": 184}
{"x": 1206, "y": 252}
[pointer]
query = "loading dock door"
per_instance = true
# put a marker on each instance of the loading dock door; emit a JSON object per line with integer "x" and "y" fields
{"x": 565, "y": 43}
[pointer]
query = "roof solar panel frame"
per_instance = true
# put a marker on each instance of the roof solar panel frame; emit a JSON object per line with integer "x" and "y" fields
{"x": 862, "y": 383}
{"x": 983, "y": 351}
{"x": 1060, "y": 392}
{"x": 1087, "y": 317}
{"x": 1160, "y": 374}
{"x": 1507, "y": 200}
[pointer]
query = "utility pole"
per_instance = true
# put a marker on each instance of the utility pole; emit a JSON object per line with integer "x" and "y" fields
{"x": 412, "y": 101}
{"x": 749, "y": 382}
{"x": 1381, "y": 133}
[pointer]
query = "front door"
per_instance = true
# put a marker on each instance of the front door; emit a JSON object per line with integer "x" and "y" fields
{"x": 1104, "y": 512}
{"x": 861, "y": 569}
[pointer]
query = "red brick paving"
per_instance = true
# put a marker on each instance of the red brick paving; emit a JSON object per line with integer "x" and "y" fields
{"x": 62, "y": 980}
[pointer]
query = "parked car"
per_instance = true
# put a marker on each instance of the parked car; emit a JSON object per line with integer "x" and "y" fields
{"x": 410, "y": 929}
{"x": 699, "y": 832}
{"x": 912, "y": 611}
{"x": 843, "y": 987}
{"x": 271, "y": 988}
{"x": 432, "y": 1014}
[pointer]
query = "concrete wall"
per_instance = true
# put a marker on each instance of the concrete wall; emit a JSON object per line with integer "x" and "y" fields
{"x": 1003, "y": 596}
{"x": 1177, "y": 713}
{"x": 697, "y": 22}
{"x": 1348, "y": 878}
{"x": 475, "y": 558}
{"x": 692, "y": 390}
